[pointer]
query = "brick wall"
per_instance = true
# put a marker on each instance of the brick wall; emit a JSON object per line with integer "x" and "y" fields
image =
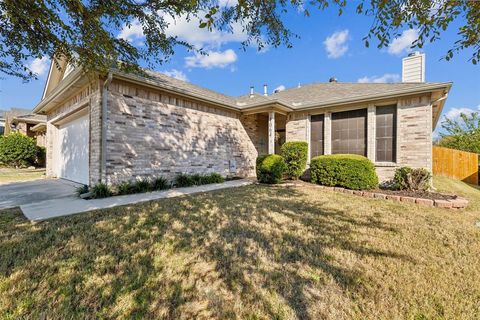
{"x": 151, "y": 133}
{"x": 414, "y": 132}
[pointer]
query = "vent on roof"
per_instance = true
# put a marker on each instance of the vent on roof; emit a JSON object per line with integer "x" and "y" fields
{"x": 251, "y": 92}
{"x": 265, "y": 90}
{"x": 332, "y": 79}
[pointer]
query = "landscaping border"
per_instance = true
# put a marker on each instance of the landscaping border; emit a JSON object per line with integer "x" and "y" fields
{"x": 457, "y": 203}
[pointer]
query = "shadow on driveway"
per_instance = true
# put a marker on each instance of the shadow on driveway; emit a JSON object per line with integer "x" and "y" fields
{"x": 20, "y": 193}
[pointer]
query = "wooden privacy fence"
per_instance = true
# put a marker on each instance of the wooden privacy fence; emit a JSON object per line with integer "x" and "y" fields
{"x": 455, "y": 164}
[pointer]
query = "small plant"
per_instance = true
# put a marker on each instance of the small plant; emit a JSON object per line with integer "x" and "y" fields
{"x": 212, "y": 178}
{"x": 101, "y": 190}
{"x": 160, "y": 183}
{"x": 270, "y": 168}
{"x": 17, "y": 150}
{"x": 142, "y": 185}
{"x": 81, "y": 190}
{"x": 125, "y": 188}
{"x": 197, "y": 179}
{"x": 344, "y": 170}
{"x": 407, "y": 178}
{"x": 184, "y": 180}
{"x": 295, "y": 155}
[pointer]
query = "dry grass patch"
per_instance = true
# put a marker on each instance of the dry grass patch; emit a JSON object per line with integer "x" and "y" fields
{"x": 9, "y": 175}
{"x": 255, "y": 252}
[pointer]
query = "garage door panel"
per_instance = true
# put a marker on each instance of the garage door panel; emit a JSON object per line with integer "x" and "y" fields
{"x": 73, "y": 157}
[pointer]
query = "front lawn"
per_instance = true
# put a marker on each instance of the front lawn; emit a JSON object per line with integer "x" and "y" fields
{"x": 255, "y": 252}
{"x": 9, "y": 175}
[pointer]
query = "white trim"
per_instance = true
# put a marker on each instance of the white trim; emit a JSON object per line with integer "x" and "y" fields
{"x": 309, "y": 136}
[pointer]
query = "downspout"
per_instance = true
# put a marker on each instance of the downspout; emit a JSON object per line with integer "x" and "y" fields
{"x": 103, "y": 157}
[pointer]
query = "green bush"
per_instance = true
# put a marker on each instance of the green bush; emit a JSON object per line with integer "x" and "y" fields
{"x": 270, "y": 168}
{"x": 187, "y": 180}
{"x": 407, "y": 178}
{"x": 143, "y": 185}
{"x": 17, "y": 150}
{"x": 212, "y": 178}
{"x": 125, "y": 188}
{"x": 81, "y": 190}
{"x": 344, "y": 170}
{"x": 294, "y": 154}
{"x": 101, "y": 190}
{"x": 40, "y": 157}
{"x": 184, "y": 180}
{"x": 160, "y": 183}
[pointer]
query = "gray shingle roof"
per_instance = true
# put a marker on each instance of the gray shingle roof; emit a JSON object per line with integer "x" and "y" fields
{"x": 294, "y": 98}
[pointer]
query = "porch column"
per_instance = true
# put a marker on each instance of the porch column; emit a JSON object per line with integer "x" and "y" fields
{"x": 271, "y": 132}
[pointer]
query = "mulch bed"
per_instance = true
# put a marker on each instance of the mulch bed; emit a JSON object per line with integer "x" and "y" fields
{"x": 417, "y": 194}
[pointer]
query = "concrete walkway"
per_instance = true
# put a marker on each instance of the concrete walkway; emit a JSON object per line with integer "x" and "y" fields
{"x": 67, "y": 206}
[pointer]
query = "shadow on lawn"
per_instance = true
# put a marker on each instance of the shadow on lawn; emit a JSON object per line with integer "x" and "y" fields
{"x": 188, "y": 257}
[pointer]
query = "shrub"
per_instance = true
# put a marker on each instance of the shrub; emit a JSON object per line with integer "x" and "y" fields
{"x": 101, "y": 190}
{"x": 196, "y": 179}
{"x": 212, "y": 178}
{"x": 81, "y": 190}
{"x": 40, "y": 157}
{"x": 412, "y": 179}
{"x": 344, "y": 170}
{"x": 160, "y": 183}
{"x": 125, "y": 188}
{"x": 184, "y": 180}
{"x": 17, "y": 150}
{"x": 294, "y": 154}
{"x": 142, "y": 185}
{"x": 270, "y": 168}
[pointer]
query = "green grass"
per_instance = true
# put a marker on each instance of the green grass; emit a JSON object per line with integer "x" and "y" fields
{"x": 255, "y": 252}
{"x": 8, "y": 175}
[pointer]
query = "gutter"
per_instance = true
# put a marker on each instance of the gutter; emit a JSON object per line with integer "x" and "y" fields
{"x": 103, "y": 155}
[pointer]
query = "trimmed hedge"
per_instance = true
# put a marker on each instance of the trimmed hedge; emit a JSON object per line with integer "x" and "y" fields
{"x": 343, "y": 170}
{"x": 270, "y": 168}
{"x": 407, "y": 178}
{"x": 17, "y": 150}
{"x": 294, "y": 154}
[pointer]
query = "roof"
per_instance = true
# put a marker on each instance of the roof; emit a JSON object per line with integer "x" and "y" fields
{"x": 30, "y": 118}
{"x": 297, "y": 98}
{"x": 315, "y": 95}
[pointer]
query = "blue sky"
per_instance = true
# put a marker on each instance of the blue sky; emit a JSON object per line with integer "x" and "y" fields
{"x": 328, "y": 46}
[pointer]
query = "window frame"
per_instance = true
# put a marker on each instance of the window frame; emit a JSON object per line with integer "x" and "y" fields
{"x": 322, "y": 115}
{"x": 394, "y": 134}
{"x": 332, "y": 120}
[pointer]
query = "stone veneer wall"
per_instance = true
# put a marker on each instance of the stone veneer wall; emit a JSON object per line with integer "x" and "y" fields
{"x": 256, "y": 126}
{"x": 414, "y": 133}
{"x": 152, "y": 133}
{"x": 89, "y": 95}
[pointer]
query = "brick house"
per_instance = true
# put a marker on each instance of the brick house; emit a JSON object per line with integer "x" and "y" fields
{"x": 28, "y": 124}
{"x": 123, "y": 126}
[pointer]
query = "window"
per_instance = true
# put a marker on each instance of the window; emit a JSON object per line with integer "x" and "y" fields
{"x": 316, "y": 135}
{"x": 386, "y": 119}
{"x": 349, "y": 132}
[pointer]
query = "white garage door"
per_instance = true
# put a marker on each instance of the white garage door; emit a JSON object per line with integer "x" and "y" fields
{"x": 72, "y": 150}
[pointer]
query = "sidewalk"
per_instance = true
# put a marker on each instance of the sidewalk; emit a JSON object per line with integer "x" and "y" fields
{"x": 67, "y": 206}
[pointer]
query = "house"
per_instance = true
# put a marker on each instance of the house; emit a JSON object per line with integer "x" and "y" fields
{"x": 27, "y": 123}
{"x": 2, "y": 122}
{"x": 122, "y": 126}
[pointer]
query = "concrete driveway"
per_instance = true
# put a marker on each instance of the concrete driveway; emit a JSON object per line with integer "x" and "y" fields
{"x": 21, "y": 193}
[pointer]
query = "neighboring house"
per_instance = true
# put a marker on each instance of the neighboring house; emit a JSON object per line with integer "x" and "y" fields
{"x": 27, "y": 123}
{"x": 159, "y": 126}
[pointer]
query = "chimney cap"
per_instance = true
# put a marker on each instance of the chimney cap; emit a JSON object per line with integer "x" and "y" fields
{"x": 332, "y": 79}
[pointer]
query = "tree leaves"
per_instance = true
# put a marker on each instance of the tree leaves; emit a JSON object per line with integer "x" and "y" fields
{"x": 85, "y": 32}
